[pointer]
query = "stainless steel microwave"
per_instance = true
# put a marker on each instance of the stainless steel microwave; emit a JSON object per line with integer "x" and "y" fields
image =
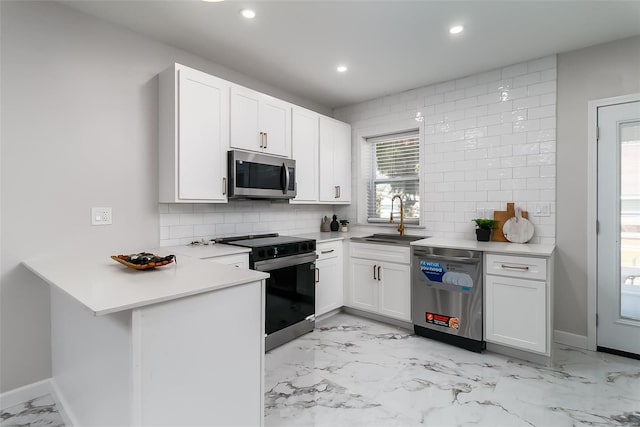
{"x": 260, "y": 176}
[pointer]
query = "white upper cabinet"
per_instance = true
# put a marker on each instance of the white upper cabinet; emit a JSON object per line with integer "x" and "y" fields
{"x": 304, "y": 142}
{"x": 193, "y": 136}
{"x": 260, "y": 122}
{"x": 335, "y": 161}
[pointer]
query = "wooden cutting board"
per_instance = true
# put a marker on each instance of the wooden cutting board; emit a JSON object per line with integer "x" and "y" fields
{"x": 501, "y": 217}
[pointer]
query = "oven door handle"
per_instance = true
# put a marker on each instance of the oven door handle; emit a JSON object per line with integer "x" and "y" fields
{"x": 287, "y": 261}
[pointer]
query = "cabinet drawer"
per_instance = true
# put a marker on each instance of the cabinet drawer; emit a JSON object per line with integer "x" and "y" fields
{"x": 387, "y": 253}
{"x": 516, "y": 266}
{"x": 239, "y": 260}
{"x": 328, "y": 250}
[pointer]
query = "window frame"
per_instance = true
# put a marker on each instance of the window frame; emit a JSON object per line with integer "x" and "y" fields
{"x": 363, "y": 176}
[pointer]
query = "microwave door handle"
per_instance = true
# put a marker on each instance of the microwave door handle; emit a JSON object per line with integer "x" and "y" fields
{"x": 285, "y": 184}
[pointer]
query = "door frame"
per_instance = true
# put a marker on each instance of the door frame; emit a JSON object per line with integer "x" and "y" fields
{"x": 592, "y": 210}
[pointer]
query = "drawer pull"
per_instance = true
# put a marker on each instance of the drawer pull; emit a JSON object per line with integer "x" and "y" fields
{"x": 516, "y": 267}
{"x": 374, "y": 273}
{"x": 328, "y": 251}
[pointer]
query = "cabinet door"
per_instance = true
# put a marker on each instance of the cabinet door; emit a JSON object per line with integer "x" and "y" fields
{"x": 342, "y": 161}
{"x": 275, "y": 123}
{"x": 395, "y": 290}
{"x": 364, "y": 288}
{"x": 203, "y": 135}
{"x": 328, "y": 186}
{"x": 304, "y": 144}
{"x": 515, "y": 312}
{"x": 245, "y": 123}
{"x": 328, "y": 285}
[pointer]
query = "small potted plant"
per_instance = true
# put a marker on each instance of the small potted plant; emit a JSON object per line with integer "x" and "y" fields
{"x": 484, "y": 228}
{"x": 344, "y": 225}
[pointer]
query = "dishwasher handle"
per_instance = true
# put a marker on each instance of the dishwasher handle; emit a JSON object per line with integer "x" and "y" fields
{"x": 463, "y": 260}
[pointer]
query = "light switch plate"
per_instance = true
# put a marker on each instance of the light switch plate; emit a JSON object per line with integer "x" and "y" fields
{"x": 101, "y": 216}
{"x": 542, "y": 209}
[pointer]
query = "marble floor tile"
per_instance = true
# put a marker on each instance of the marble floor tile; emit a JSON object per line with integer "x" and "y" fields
{"x": 356, "y": 372}
{"x": 38, "y": 412}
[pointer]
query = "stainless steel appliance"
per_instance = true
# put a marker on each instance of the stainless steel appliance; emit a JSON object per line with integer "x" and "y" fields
{"x": 290, "y": 290}
{"x": 447, "y": 296}
{"x": 260, "y": 176}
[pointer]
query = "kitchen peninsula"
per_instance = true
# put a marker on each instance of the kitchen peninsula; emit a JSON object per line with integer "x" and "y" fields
{"x": 177, "y": 345}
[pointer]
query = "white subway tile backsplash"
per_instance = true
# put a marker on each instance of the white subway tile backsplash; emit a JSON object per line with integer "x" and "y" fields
{"x": 497, "y": 196}
{"x": 542, "y": 88}
{"x": 169, "y": 219}
{"x": 478, "y": 111}
{"x": 541, "y": 112}
{"x": 547, "y": 171}
{"x": 489, "y": 76}
{"x": 480, "y": 89}
{"x": 513, "y": 161}
{"x": 527, "y": 172}
{"x": 526, "y": 149}
{"x": 526, "y": 126}
{"x": 500, "y": 107}
{"x": 541, "y": 159}
{"x": 492, "y": 119}
{"x": 548, "y": 62}
{"x": 446, "y": 86}
{"x": 180, "y": 208}
{"x": 500, "y": 173}
{"x": 541, "y": 135}
{"x": 514, "y": 70}
{"x": 527, "y": 79}
{"x": 454, "y": 96}
{"x": 180, "y": 231}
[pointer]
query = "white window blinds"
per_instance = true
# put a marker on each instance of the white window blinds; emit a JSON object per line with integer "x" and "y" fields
{"x": 395, "y": 169}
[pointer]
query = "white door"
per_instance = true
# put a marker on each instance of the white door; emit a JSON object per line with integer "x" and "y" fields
{"x": 304, "y": 144}
{"x": 275, "y": 123}
{"x": 203, "y": 136}
{"x": 619, "y": 228}
{"x": 364, "y": 284}
{"x": 395, "y": 291}
{"x": 245, "y": 123}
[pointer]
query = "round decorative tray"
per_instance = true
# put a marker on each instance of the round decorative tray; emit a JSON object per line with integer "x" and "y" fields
{"x": 143, "y": 260}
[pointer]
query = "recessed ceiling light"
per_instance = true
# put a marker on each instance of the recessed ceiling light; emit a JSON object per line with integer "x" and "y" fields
{"x": 248, "y": 13}
{"x": 342, "y": 68}
{"x": 456, "y": 29}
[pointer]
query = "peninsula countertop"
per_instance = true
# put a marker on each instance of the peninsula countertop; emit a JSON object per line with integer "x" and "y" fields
{"x": 104, "y": 286}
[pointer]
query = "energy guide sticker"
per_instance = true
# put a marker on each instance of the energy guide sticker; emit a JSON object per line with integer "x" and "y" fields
{"x": 433, "y": 270}
{"x": 442, "y": 320}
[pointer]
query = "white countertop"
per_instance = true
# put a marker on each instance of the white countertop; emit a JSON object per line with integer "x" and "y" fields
{"x": 205, "y": 251}
{"x": 494, "y": 247}
{"x": 105, "y": 286}
{"x": 325, "y": 236}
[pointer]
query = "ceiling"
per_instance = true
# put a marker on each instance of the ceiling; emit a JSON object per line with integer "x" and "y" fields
{"x": 388, "y": 46}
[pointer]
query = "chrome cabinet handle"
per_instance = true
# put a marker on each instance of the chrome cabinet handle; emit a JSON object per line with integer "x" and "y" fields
{"x": 266, "y": 140}
{"x": 374, "y": 273}
{"x": 515, "y": 267}
{"x": 339, "y": 192}
{"x": 327, "y": 251}
{"x": 378, "y": 273}
{"x": 317, "y": 275}
{"x": 336, "y": 190}
{"x": 261, "y": 139}
{"x": 224, "y": 186}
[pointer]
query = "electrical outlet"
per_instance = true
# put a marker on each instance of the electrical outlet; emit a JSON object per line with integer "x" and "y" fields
{"x": 542, "y": 209}
{"x": 101, "y": 216}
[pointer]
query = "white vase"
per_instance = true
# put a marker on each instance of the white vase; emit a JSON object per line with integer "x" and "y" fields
{"x": 344, "y": 228}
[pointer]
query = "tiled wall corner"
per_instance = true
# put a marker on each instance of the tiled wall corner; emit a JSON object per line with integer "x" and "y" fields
{"x": 490, "y": 138}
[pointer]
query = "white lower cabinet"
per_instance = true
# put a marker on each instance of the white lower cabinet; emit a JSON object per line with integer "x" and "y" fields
{"x": 380, "y": 287}
{"x": 329, "y": 291}
{"x": 517, "y": 302}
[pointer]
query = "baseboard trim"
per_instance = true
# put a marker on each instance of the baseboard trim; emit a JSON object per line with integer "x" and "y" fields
{"x": 24, "y": 393}
{"x": 64, "y": 409}
{"x": 572, "y": 340}
{"x": 378, "y": 318}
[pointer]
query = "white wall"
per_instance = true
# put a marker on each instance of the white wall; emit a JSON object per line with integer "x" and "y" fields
{"x": 597, "y": 72}
{"x": 79, "y": 129}
{"x": 489, "y": 140}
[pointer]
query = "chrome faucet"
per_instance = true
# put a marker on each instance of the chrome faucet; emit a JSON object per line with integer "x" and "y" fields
{"x": 401, "y": 226}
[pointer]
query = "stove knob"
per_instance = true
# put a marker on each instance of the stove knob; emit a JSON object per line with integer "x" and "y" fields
{"x": 304, "y": 247}
{"x": 270, "y": 252}
{"x": 312, "y": 246}
{"x": 261, "y": 254}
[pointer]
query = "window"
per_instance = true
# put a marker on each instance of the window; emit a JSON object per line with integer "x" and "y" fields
{"x": 395, "y": 169}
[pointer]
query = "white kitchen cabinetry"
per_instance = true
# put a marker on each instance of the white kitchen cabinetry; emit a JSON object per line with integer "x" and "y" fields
{"x": 260, "y": 122}
{"x": 517, "y": 302}
{"x": 304, "y": 145}
{"x": 335, "y": 161}
{"x": 381, "y": 287}
{"x": 193, "y": 136}
{"x": 329, "y": 267}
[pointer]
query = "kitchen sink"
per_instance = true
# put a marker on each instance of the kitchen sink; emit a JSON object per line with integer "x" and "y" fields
{"x": 388, "y": 239}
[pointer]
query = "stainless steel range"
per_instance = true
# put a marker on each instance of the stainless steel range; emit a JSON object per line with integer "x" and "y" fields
{"x": 290, "y": 290}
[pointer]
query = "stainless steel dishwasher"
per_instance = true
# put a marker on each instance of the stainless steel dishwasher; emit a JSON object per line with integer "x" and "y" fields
{"x": 447, "y": 295}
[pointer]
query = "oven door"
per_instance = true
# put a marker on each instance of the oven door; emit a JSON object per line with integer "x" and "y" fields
{"x": 291, "y": 292}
